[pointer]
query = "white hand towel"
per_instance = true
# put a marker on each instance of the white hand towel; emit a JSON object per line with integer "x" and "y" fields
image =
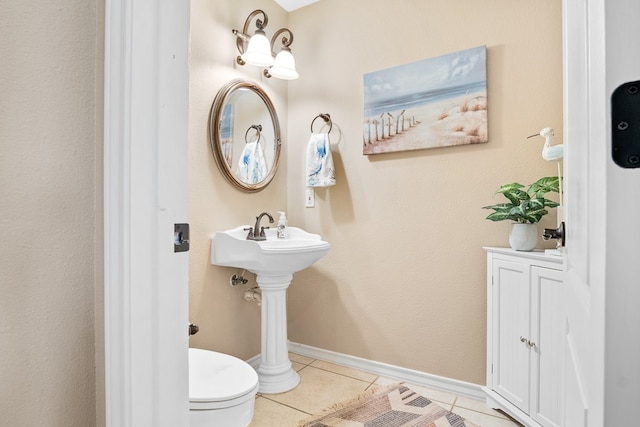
{"x": 252, "y": 166}
{"x": 320, "y": 169}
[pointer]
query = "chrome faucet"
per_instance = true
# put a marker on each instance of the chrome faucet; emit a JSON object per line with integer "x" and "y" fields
{"x": 257, "y": 232}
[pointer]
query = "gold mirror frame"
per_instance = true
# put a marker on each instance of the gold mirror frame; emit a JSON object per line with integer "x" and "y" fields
{"x": 216, "y": 140}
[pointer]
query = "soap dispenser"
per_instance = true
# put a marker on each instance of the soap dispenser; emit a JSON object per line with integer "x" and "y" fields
{"x": 282, "y": 232}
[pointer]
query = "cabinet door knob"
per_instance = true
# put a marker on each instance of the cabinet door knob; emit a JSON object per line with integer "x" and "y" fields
{"x": 531, "y": 343}
{"x": 523, "y": 339}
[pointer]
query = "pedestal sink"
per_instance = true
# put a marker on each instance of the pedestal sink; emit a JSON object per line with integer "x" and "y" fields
{"x": 273, "y": 261}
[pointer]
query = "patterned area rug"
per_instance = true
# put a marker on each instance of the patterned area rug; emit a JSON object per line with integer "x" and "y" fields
{"x": 396, "y": 406}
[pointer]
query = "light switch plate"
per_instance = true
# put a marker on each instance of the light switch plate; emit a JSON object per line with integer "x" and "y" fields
{"x": 310, "y": 198}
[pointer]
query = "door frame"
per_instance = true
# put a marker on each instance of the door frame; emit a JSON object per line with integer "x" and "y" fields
{"x": 146, "y": 91}
{"x": 603, "y": 382}
{"x": 622, "y": 270}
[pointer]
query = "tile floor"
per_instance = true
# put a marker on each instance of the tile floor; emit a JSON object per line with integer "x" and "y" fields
{"x": 323, "y": 384}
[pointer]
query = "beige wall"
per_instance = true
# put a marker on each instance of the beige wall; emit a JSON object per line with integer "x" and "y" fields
{"x": 50, "y": 136}
{"x": 404, "y": 282}
{"x": 227, "y": 322}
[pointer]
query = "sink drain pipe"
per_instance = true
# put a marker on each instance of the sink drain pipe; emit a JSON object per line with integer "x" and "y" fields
{"x": 254, "y": 294}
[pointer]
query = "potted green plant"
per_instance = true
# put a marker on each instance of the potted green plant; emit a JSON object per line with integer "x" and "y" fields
{"x": 525, "y": 208}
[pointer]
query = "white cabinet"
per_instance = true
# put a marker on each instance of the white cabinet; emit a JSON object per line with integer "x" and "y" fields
{"x": 524, "y": 335}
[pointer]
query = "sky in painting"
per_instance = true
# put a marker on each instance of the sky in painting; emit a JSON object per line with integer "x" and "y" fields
{"x": 455, "y": 69}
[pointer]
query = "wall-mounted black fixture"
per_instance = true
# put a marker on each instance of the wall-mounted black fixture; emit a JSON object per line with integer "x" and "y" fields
{"x": 625, "y": 125}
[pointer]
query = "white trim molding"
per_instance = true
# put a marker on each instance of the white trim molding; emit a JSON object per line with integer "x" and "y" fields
{"x": 145, "y": 162}
{"x": 117, "y": 212}
{"x": 390, "y": 371}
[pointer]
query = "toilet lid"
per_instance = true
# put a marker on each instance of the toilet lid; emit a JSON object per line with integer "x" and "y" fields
{"x": 217, "y": 377}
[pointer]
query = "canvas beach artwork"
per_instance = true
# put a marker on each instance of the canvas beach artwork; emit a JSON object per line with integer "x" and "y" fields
{"x": 436, "y": 102}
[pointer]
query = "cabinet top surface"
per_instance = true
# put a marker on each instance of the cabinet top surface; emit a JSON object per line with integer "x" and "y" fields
{"x": 538, "y": 254}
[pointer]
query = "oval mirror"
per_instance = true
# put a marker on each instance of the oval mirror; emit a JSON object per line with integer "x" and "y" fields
{"x": 244, "y": 134}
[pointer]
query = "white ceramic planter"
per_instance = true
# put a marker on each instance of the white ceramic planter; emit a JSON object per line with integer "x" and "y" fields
{"x": 524, "y": 237}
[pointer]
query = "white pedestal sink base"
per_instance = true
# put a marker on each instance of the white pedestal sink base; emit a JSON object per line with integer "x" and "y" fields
{"x": 274, "y": 261}
{"x": 277, "y": 382}
{"x": 275, "y": 373}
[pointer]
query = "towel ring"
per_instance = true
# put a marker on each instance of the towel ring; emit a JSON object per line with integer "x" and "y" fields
{"x": 258, "y": 128}
{"x": 324, "y": 116}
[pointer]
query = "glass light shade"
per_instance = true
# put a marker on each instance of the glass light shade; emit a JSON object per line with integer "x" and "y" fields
{"x": 258, "y": 51}
{"x": 284, "y": 66}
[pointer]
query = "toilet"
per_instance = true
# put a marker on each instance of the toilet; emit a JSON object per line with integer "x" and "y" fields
{"x": 222, "y": 390}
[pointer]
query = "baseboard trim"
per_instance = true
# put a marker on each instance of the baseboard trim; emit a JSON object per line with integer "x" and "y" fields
{"x": 389, "y": 371}
{"x": 254, "y": 361}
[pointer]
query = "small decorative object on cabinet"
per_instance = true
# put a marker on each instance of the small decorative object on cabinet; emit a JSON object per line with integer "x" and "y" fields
{"x": 525, "y": 336}
{"x": 525, "y": 208}
{"x": 523, "y": 237}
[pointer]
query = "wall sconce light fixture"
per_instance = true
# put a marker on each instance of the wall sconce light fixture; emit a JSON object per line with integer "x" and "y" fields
{"x": 257, "y": 50}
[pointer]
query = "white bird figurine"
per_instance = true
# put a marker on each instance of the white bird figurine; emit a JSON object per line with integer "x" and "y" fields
{"x": 553, "y": 152}
{"x": 549, "y": 151}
